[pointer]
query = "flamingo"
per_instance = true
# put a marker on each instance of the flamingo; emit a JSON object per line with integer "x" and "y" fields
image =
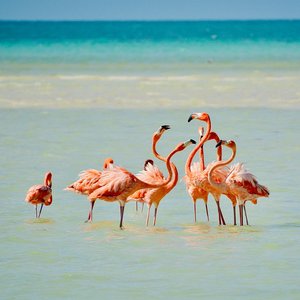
{"x": 201, "y": 179}
{"x": 150, "y": 162}
{"x": 153, "y": 174}
{"x": 230, "y": 196}
{"x": 239, "y": 182}
{"x": 89, "y": 179}
{"x": 40, "y": 194}
{"x": 192, "y": 171}
{"x": 118, "y": 184}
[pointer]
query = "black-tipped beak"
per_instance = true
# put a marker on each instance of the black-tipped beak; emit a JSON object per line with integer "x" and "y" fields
{"x": 190, "y": 118}
{"x": 165, "y": 127}
{"x": 193, "y": 141}
{"x": 219, "y": 144}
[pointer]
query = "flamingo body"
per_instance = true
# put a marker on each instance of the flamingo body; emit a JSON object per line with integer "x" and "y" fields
{"x": 40, "y": 194}
{"x": 244, "y": 184}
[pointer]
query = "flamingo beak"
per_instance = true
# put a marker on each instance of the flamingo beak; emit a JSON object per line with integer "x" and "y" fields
{"x": 190, "y": 142}
{"x": 219, "y": 144}
{"x": 165, "y": 127}
{"x": 191, "y": 117}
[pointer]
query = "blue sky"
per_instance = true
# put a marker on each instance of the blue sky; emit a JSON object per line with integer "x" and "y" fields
{"x": 148, "y": 9}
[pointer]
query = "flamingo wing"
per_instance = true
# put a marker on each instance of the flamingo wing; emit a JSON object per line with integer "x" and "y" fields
{"x": 114, "y": 182}
{"x": 38, "y": 194}
{"x": 88, "y": 182}
{"x": 151, "y": 175}
{"x": 242, "y": 178}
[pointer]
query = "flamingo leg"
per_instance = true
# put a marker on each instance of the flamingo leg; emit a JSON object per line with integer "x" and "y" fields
{"x": 143, "y": 206}
{"x": 245, "y": 214}
{"x": 195, "y": 212}
{"x": 206, "y": 208}
{"x": 90, "y": 216}
{"x": 136, "y": 206}
{"x": 234, "y": 215}
{"x": 241, "y": 214}
{"x": 218, "y": 206}
{"x": 122, "y": 207}
{"x": 41, "y": 209}
{"x": 155, "y": 215}
{"x": 36, "y": 215}
{"x": 221, "y": 218}
{"x": 148, "y": 215}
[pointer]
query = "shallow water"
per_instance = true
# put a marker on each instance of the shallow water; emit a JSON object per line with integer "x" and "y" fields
{"x": 61, "y": 257}
{"x": 72, "y": 94}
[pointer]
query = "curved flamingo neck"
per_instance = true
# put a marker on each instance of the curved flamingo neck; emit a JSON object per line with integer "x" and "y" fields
{"x": 201, "y": 154}
{"x": 218, "y": 165}
{"x": 219, "y": 153}
{"x": 195, "y": 150}
{"x": 175, "y": 177}
{"x": 171, "y": 173}
{"x": 219, "y": 150}
{"x": 170, "y": 168}
{"x": 156, "y": 154}
{"x": 47, "y": 180}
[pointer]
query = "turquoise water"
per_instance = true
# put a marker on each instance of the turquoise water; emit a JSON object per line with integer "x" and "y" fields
{"x": 61, "y": 257}
{"x": 145, "y": 64}
{"x": 72, "y": 94}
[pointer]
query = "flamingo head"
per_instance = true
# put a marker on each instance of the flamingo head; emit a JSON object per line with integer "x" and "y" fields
{"x": 213, "y": 136}
{"x": 182, "y": 146}
{"x": 48, "y": 201}
{"x": 108, "y": 163}
{"x": 230, "y": 144}
{"x": 48, "y": 179}
{"x": 201, "y": 131}
{"x": 200, "y": 116}
{"x": 160, "y": 131}
{"x": 148, "y": 161}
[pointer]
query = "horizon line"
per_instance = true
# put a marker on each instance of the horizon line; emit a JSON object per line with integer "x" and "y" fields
{"x": 145, "y": 20}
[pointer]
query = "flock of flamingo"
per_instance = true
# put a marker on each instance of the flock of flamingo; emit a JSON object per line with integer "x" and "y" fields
{"x": 150, "y": 186}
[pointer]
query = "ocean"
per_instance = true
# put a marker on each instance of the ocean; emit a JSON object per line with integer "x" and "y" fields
{"x": 74, "y": 93}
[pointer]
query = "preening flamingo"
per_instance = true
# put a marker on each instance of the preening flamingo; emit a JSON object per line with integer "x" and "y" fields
{"x": 201, "y": 179}
{"x": 40, "y": 194}
{"x": 239, "y": 182}
{"x": 153, "y": 196}
{"x": 118, "y": 184}
{"x": 89, "y": 180}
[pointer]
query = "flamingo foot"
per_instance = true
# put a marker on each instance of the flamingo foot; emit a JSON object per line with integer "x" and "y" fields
{"x": 90, "y": 216}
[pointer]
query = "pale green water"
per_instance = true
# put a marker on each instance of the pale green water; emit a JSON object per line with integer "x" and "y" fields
{"x": 61, "y": 257}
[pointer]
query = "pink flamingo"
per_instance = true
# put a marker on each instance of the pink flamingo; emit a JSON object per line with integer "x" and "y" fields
{"x": 119, "y": 184}
{"x": 239, "y": 182}
{"x": 193, "y": 171}
{"x": 230, "y": 196}
{"x": 150, "y": 162}
{"x": 153, "y": 174}
{"x": 40, "y": 194}
{"x": 201, "y": 179}
{"x": 89, "y": 179}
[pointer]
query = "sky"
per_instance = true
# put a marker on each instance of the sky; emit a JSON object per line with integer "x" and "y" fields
{"x": 148, "y": 9}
